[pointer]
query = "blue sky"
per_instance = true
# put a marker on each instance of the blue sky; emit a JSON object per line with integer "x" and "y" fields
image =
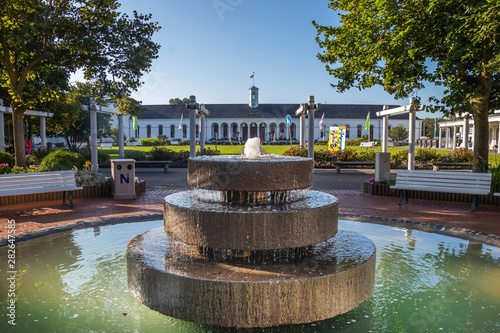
{"x": 209, "y": 48}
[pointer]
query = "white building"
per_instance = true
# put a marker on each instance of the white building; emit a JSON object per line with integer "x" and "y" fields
{"x": 266, "y": 121}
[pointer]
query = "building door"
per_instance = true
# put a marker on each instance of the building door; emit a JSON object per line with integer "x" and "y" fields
{"x": 253, "y": 130}
{"x": 262, "y": 132}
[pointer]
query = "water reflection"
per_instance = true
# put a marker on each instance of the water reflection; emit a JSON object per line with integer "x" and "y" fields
{"x": 76, "y": 281}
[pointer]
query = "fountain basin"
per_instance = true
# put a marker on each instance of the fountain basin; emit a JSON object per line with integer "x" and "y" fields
{"x": 335, "y": 279}
{"x": 260, "y": 227}
{"x": 240, "y": 174}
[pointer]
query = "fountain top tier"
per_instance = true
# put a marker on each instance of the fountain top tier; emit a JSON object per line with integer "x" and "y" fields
{"x": 242, "y": 174}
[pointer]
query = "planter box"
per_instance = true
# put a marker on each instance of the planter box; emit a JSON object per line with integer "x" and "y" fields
{"x": 87, "y": 192}
{"x": 385, "y": 190}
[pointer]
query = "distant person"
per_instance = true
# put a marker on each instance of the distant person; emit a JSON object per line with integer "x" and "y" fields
{"x": 27, "y": 144}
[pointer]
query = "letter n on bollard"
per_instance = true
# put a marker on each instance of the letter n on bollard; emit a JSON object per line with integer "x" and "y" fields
{"x": 123, "y": 178}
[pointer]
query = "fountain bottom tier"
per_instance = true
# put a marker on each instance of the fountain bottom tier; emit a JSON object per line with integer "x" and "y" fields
{"x": 174, "y": 279}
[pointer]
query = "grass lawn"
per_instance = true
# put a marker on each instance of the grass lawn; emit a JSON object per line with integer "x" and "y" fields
{"x": 494, "y": 159}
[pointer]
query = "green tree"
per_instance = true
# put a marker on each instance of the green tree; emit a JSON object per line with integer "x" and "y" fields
{"x": 72, "y": 34}
{"x": 398, "y": 133}
{"x": 400, "y": 45}
{"x": 71, "y": 118}
{"x": 178, "y": 101}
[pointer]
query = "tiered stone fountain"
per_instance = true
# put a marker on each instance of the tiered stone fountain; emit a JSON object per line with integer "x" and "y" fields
{"x": 250, "y": 246}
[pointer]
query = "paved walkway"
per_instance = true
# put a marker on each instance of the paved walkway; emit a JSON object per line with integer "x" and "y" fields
{"x": 346, "y": 186}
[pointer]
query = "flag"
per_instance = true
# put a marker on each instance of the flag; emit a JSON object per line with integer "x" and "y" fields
{"x": 367, "y": 124}
{"x": 321, "y": 122}
{"x": 180, "y": 124}
{"x": 435, "y": 127}
{"x": 134, "y": 123}
{"x": 251, "y": 76}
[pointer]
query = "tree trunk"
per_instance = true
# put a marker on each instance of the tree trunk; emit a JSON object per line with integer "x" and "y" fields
{"x": 19, "y": 144}
{"x": 480, "y": 110}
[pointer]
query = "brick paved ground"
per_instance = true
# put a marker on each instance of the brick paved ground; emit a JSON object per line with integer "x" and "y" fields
{"x": 38, "y": 215}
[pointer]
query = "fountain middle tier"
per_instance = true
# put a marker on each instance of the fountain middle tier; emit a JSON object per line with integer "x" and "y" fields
{"x": 302, "y": 223}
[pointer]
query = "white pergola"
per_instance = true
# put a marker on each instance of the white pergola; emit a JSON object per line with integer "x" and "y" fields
{"x": 41, "y": 114}
{"x": 411, "y": 110}
{"x": 308, "y": 109}
{"x": 196, "y": 109}
{"x": 465, "y": 123}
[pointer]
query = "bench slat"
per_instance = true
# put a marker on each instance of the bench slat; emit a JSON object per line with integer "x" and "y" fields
{"x": 39, "y": 182}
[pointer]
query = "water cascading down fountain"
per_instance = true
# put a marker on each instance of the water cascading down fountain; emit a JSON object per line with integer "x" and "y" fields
{"x": 250, "y": 246}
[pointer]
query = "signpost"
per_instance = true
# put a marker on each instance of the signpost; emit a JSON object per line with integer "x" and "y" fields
{"x": 288, "y": 123}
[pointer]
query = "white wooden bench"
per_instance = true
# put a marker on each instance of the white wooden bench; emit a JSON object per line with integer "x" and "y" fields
{"x": 437, "y": 165}
{"x": 340, "y": 164}
{"x": 39, "y": 182}
{"x": 390, "y": 144}
{"x": 443, "y": 181}
{"x": 368, "y": 144}
{"x": 496, "y": 194}
{"x": 153, "y": 164}
{"x": 106, "y": 145}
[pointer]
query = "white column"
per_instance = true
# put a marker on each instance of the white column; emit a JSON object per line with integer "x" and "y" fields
{"x": 411, "y": 142}
{"x": 121, "y": 151}
{"x": 192, "y": 126}
{"x": 303, "y": 129}
{"x": 454, "y": 141}
{"x": 465, "y": 134}
{"x": 93, "y": 138}
{"x": 447, "y": 137}
{"x": 202, "y": 132}
{"x": 43, "y": 135}
{"x": 2, "y": 132}
{"x": 440, "y": 137}
{"x": 310, "y": 111}
{"x": 385, "y": 131}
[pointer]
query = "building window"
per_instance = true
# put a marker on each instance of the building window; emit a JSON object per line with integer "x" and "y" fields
{"x": 389, "y": 128}
{"x": 148, "y": 131}
{"x": 347, "y": 130}
{"x": 215, "y": 130}
{"x": 197, "y": 131}
{"x": 184, "y": 131}
{"x": 160, "y": 130}
{"x": 137, "y": 132}
{"x": 172, "y": 131}
{"x": 359, "y": 131}
{"x": 371, "y": 131}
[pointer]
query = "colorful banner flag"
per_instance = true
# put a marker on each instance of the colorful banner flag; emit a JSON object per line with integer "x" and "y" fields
{"x": 367, "y": 124}
{"x": 336, "y": 140}
{"x": 180, "y": 124}
{"x": 134, "y": 123}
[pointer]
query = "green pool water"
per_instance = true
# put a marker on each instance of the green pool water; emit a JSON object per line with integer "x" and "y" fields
{"x": 77, "y": 282}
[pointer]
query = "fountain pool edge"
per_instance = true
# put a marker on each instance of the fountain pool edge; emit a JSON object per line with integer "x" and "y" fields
{"x": 463, "y": 233}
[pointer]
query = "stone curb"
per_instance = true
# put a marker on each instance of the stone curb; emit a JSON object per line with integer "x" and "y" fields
{"x": 462, "y": 233}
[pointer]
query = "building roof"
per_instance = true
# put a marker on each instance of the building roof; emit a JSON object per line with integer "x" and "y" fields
{"x": 253, "y": 87}
{"x": 234, "y": 111}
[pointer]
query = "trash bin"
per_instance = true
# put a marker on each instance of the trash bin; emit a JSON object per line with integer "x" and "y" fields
{"x": 382, "y": 166}
{"x": 123, "y": 177}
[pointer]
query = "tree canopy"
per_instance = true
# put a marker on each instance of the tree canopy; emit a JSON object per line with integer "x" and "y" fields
{"x": 404, "y": 45}
{"x": 178, "y": 101}
{"x": 92, "y": 35}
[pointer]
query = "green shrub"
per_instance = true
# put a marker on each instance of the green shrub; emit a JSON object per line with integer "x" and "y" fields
{"x": 102, "y": 156}
{"x": 366, "y": 155}
{"x": 38, "y": 155}
{"x": 4, "y": 168}
{"x": 323, "y": 159}
{"x": 495, "y": 178}
{"x": 208, "y": 151}
{"x": 62, "y": 160}
{"x": 16, "y": 169}
{"x": 7, "y": 158}
{"x": 346, "y": 155}
{"x": 399, "y": 159}
{"x": 149, "y": 142}
{"x": 296, "y": 151}
{"x": 86, "y": 177}
{"x": 426, "y": 155}
{"x": 354, "y": 142}
{"x": 160, "y": 154}
{"x": 135, "y": 155}
{"x": 463, "y": 155}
